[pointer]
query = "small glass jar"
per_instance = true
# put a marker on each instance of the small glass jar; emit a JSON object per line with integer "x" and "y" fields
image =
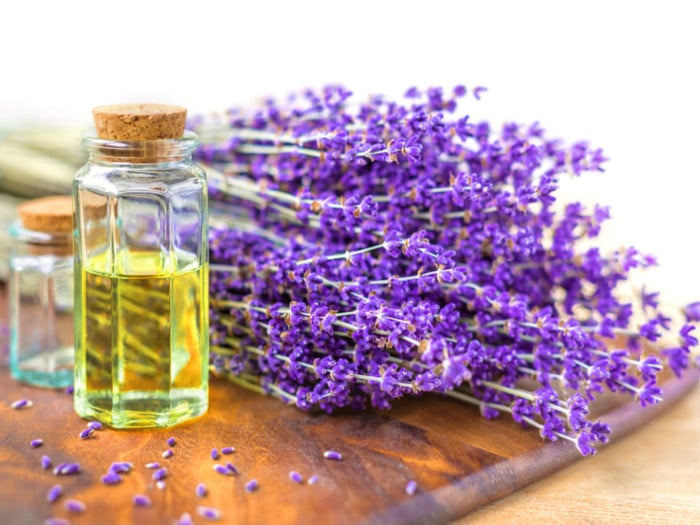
{"x": 141, "y": 276}
{"x": 40, "y": 293}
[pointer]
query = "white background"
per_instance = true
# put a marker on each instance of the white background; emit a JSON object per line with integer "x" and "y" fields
{"x": 622, "y": 74}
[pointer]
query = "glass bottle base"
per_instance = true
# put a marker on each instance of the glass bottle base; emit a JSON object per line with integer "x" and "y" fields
{"x": 51, "y": 369}
{"x": 142, "y": 409}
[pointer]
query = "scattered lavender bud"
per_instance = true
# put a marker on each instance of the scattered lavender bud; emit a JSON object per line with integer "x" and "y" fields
{"x": 66, "y": 469}
{"x": 45, "y": 462}
{"x": 171, "y": 441}
{"x": 296, "y": 477}
{"x": 411, "y": 487}
{"x": 168, "y": 453}
{"x": 22, "y": 403}
{"x": 200, "y": 490}
{"x": 313, "y": 480}
{"x": 54, "y": 493}
{"x": 74, "y": 505}
{"x": 153, "y": 465}
{"x": 87, "y": 433}
{"x": 214, "y": 454}
{"x": 185, "y": 519}
{"x": 160, "y": 484}
{"x": 121, "y": 467}
{"x": 333, "y": 454}
{"x": 56, "y": 521}
{"x": 69, "y": 390}
{"x": 95, "y": 425}
{"x": 209, "y": 513}
{"x": 228, "y": 450}
{"x": 36, "y": 443}
{"x": 252, "y": 485}
{"x": 232, "y": 468}
{"x": 141, "y": 500}
{"x": 221, "y": 469}
{"x": 111, "y": 478}
{"x": 160, "y": 474}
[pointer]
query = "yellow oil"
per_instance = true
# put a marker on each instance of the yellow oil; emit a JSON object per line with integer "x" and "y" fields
{"x": 142, "y": 340}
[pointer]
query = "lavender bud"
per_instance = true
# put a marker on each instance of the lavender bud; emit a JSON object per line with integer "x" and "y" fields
{"x": 167, "y": 454}
{"x": 111, "y": 478}
{"x": 36, "y": 443}
{"x": 201, "y": 490}
{"x": 141, "y": 501}
{"x": 87, "y": 433}
{"x": 121, "y": 467}
{"x": 54, "y": 493}
{"x": 252, "y": 485}
{"x": 313, "y": 480}
{"x": 95, "y": 425}
{"x": 160, "y": 484}
{"x": 228, "y": 450}
{"x": 153, "y": 465}
{"x": 221, "y": 469}
{"x": 214, "y": 454}
{"x": 73, "y": 505}
{"x": 185, "y": 519}
{"x": 232, "y": 469}
{"x": 332, "y": 454}
{"x": 296, "y": 477}
{"x": 21, "y": 403}
{"x": 171, "y": 441}
{"x": 66, "y": 469}
{"x": 160, "y": 474}
{"x": 209, "y": 513}
{"x": 45, "y": 462}
{"x": 411, "y": 487}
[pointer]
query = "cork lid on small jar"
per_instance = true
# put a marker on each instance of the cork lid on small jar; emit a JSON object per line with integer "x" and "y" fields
{"x": 53, "y": 214}
{"x": 135, "y": 122}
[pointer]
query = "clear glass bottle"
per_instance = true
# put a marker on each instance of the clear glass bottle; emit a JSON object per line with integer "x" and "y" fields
{"x": 141, "y": 280}
{"x": 40, "y": 293}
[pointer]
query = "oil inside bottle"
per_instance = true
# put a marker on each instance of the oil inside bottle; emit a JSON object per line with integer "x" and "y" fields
{"x": 141, "y": 354}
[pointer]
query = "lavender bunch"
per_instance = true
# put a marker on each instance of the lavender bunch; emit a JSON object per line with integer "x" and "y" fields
{"x": 376, "y": 249}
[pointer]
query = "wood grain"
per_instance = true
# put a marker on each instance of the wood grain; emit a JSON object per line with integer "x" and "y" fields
{"x": 459, "y": 460}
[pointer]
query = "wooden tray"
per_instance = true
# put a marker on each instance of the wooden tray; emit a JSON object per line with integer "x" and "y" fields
{"x": 459, "y": 460}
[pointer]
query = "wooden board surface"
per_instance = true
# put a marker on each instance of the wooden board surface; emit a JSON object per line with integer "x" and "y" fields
{"x": 459, "y": 460}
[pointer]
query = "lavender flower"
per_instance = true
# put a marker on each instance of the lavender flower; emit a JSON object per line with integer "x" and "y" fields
{"x": 36, "y": 443}
{"x": 185, "y": 519}
{"x": 200, "y": 490}
{"x": 74, "y": 505}
{"x": 411, "y": 487}
{"x": 168, "y": 453}
{"x": 45, "y": 462}
{"x": 160, "y": 474}
{"x": 141, "y": 500}
{"x": 223, "y": 470}
{"x": 332, "y": 454}
{"x": 209, "y": 513}
{"x": 21, "y": 403}
{"x": 121, "y": 467}
{"x": 171, "y": 441}
{"x": 152, "y": 466}
{"x": 252, "y": 485}
{"x": 296, "y": 477}
{"x": 54, "y": 493}
{"x": 228, "y": 450}
{"x": 313, "y": 479}
{"x": 214, "y": 454}
{"x": 111, "y": 478}
{"x": 87, "y": 433}
{"x": 66, "y": 469}
{"x": 95, "y": 425}
{"x": 394, "y": 248}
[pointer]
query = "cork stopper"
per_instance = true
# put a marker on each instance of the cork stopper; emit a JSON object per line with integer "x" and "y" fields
{"x": 139, "y": 121}
{"x": 52, "y": 214}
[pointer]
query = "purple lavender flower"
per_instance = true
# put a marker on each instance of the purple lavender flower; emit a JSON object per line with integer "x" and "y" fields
{"x": 214, "y": 454}
{"x": 252, "y": 485}
{"x": 332, "y": 454}
{"x": 160, "y": 474}
{"x": 228, "y": 450}
{"x": 111, "y": 478}
{"x": 21, "y": 403}
{"x": 411, "y": 487}
{"x": 394, "y": 248}
{"x": 200, "y": 490}
{"x": 153, "y": 465}
{"x": 141, "y": 500}
{"x": 171, "y": 441}
{"x": 74, "y": 505}
{"x": 95, "y": 425}
{"x": 36, "y": 443}
{"x": 66, "y": 469}
{"x": 121, "y": 467}
{"x": 209, "y": 513}
{"x": 87, "y": 433}
{"x": 167, "y": 453}
{"x": 54, "y": 493}
{"x": 45, "y": 462}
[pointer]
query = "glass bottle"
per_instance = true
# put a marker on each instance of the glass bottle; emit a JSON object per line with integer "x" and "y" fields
{"x": 141, "y": 271}
{"x": 40, "y": 292}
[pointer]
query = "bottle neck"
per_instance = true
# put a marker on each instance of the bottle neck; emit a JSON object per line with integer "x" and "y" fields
{"x": 141, "y": 151}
